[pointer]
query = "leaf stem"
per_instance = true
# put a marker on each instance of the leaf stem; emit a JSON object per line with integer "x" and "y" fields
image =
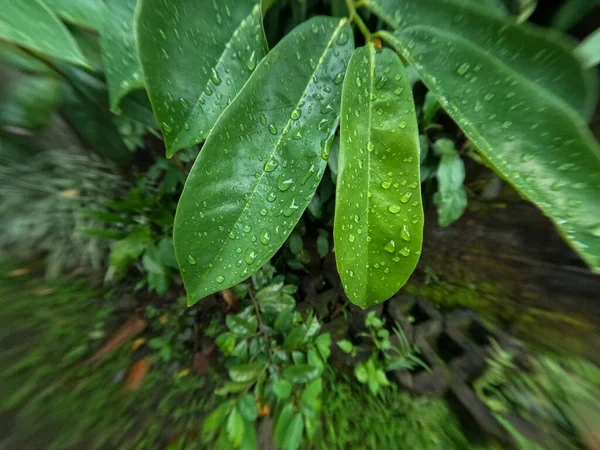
{"x": 354, "y": 16}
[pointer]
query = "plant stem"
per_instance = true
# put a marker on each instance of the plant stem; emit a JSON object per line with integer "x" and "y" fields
{"x": 354, "y": 16}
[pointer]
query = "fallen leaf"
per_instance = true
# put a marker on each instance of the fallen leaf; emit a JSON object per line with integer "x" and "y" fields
{"x": 137, "y": 343}
{"x": 134, "y": 326}
{"x": 18, "y": 272}
{"x": 263, "y": 410}
{"x": 136, "y": 374}
{"x": 230, "y": 298}
{"x": 163, "y": 319}
{"x": 202, "y": 359}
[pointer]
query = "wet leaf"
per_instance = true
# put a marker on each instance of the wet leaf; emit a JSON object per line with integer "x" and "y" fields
{"x": 300, "y": 373}
{"x": 451, "y": 198}
{"x": 235, "y": 428}
{"x": 196, "y": 56}
{"x": 547, "y": 61}
{"x": 83, "y": 13}
{"x": 122, "y": 67}
{"x": 511, "y": 104}
{"x": 244, "y": 372}
{"x": 31, "y": 24}
{"x": 378, "y": 228}
{"x": 260, "y": 167}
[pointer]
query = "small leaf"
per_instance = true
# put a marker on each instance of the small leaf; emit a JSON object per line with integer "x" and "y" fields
{"x": 257, "y": 208}
{"x": 360, "y": 371}
{"x": 451, "y": 198}
{"x": 123, "y": 72}
{"x": 300, "y": 373}
{"x": 244, "y": 372}
{"x": 31, "y": 24}
{"x": 322, "y": 245}
{"x": 378, "y": 228}
{"x": 235, "y": 428}
{"x": 282, "y": 389}
{"x": 226, "y": 342}
{"x": 323, "y": 344}
{"x": 207, "y": 50}
{"x": 247, "y": 407}
{"x": 345, "y": 345}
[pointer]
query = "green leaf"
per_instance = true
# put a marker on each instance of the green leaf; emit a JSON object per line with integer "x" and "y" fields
{"x": 360, "y": 371}
{"x": 31, "y": 24}
{"x": 285, "y": 320}
{"x": 215, "y": 420}
{"x": 244, "y": 372}
{"x": 295, "y": 338}
{"x": 126, "y": 251}
{"x": 322, "y": 244}
{"x": 29, "y": 102}
{"x": 528, "y": 135}
{"x": 378, "y": 228}
{"x": 207, "y": 50}
{"x": 83, "y": 13}
{"x": 226, "y": 342}
{"x": 249, "y": 442}
{"x": 283, "y": 422}
{"x": 311, "y": 397}
{"x": 451, "y": 198}
{"x": 261, "y": 165}
{"x": 293, "y": 435}
{"x": 282, "y": 389}
{"x": 235, "y": 428}
{"x": 300, "y": 373}
{"x": 242, "y": 326}
{"x": 123, "y": 72}
{"x": 589, "y": 49}
{"x": 231, "y": 387}
{"x": 538, "y": 56}
{"x": 345, "y": 345}
{"x": 323, "y": 344}
{"x": 247, "y": 407}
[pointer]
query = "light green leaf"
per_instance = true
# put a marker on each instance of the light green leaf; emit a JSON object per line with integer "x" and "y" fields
{"x": 282, "y": 389}
{"x": 589, "y": 49}
{"x": 249, "y": 442}
{"x": 83, "y": 13}
{"x": 215, "y": 420}
{"x": 283, "y": 422}
{"x": 323, "y": 344}
{"x": 311, "y": 397}
{"x": 244, "y": 372}
{"x": 528, "y": 135}
{"x": 196, "y": 56}
{"x": 260, "y": 167}
{"x": 378, "y": 228}
{"x": 235, "y": 428}
{"x": 293, "y": 435}
{"x": 571, "y": 12}
{"x": 123, "y": 72}
{"x": 300, "y": 373}
{"x": 247, "y": 407}
{"x": 226, "y": 342}
{"x": 31, "y": 24}
{"x": 345, "y": 345}
{"x": 451, "y": 198}
{"x": 546, "y": 60}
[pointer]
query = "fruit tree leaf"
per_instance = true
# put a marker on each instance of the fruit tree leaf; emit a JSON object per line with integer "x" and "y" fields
{"x": 196, "y": 56}
{"x": 31, "y": 24}
{"x": 543, "y": 57}
{"x": 528, "y": 135}
{"x": 83, "y": 13}
{"x": 123, "y": 72}
{"x": 378, "y": 228}
{"x": 260, "y": 167}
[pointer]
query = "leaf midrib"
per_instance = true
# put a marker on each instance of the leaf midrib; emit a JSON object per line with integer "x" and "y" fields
{"x": 197, "y": 105}
{"x": 259, "y": 181}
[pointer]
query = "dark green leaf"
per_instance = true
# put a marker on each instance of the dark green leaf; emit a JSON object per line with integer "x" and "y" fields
{"x": 509, "y": 99}
{"x": 546, "y": 60}
{"x": 29, "y": 102}
{"x": 123, "y": 72}
{"x": 247, "y": 407}
{"x": 295, "y": 338}
{"x": 244, "y": 372}
{"x": 378, "y": 227}
{"x": 258, "y": 200}
{"x": 451, "y": 198}
{"x": 215, "y": 420}
{"x": 282, "y": 389}
{"x": 571, "y": 12}
{"x": 285, "y": 320}
{"x": 16, "y": 57}
{"x": 300, "y": 373}
{"x": 84, "y": 13}
{"x": 235, "y": 428}
{"x": 196, "y": 57}
{"x": 31, "y": 24}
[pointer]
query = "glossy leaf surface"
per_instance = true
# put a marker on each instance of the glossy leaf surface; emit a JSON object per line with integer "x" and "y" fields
{"x": 378, "y": 228}
{"x": 544, "y": 57}
{"x": 31, "y": 24}
{"x": 84, "y": 13}
{"x": 196, "y": 55}
{"x": 260, "y": 166}
{"x": 530, "y": 137}
{"x": 122, "y": 67}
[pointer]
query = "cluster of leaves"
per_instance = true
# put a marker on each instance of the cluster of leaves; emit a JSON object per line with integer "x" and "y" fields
{"x": 275, "y": 359}
{"x": 557, "y": 394}
{"x": 386, "y": 355}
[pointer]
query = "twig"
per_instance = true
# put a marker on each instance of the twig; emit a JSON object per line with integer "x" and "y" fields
{"x": 355, "y": 17}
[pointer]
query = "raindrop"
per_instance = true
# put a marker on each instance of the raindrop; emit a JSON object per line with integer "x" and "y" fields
{"x": 250, "y": 256}
{"x": 247, "y": 229}
{"x": 251, "y": 63}
{"x": 295, "y": 115}
{"x": 405, "y": 251}
{"x": 351, "y": 238}
{"x": 166, "y": 127}
{"x": 314, "y": 28}
{"x": 271, "y": 165}
{"x": 406, "y": 197}
{"x": 271, "y": 197}
{"x": 220, "y": 279}
{"x": 215, "y": 77}
{"x": 405, "y": 234}
{"x": 283, "y": 184}
{"x": 273, "y": 129}
{"x": 390, "y": 247}
{"x": 386, "y": 185}
{"x": 263, "y": 119}
{"x": 394, "y": 209}
{"x": 342, "y": 38}
{"x": 463, "y": 69}
{"x": 339, "y": 78}
{"x": 403, "y": 124}
{"x": 265, "y": 237}
{"x": 191, "y": 260}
